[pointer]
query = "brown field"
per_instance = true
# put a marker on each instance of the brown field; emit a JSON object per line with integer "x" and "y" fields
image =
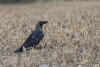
{"x": 72, "y": 34}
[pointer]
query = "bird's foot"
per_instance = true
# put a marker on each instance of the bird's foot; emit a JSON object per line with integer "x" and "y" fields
{"x": 28, "y": 49}
{"x": 38, "y": 48}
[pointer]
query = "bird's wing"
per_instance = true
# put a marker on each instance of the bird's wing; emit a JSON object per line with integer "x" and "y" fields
{"x": 31, "y": 42}
{"x": 34, "y": 38}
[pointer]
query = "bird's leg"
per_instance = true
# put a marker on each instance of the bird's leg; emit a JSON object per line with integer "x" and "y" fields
{"x": 39, "y": 48}
{"x": 27, "y": 49}
{"x": 34, "y": 46}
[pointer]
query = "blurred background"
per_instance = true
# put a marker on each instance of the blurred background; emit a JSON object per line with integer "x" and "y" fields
{"x": 72, "y": 35}
{"x": 33, "y": 1}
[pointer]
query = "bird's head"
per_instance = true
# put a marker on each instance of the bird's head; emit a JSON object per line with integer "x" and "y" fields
{"x": 41, "y": 23}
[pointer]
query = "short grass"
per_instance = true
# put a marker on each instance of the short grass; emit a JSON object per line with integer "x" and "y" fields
{"x": 72, "y": 35}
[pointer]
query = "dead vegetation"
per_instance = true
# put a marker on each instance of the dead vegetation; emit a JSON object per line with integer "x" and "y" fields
{"x": 72, "y": 34}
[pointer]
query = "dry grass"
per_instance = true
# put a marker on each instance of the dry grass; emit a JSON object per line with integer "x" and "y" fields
{"x": 72, "y": 35}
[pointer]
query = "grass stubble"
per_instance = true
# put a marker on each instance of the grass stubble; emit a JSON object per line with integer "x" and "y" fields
{"x": 72, "y": 35}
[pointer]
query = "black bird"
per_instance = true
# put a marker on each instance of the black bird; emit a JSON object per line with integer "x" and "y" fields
{"x": 34, "y": 38}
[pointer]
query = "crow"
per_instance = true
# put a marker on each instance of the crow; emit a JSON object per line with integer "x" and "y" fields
{"x": 34, "y": 38}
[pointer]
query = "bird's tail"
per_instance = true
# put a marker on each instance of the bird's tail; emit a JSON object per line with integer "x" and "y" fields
{"x": 19, "y": 50}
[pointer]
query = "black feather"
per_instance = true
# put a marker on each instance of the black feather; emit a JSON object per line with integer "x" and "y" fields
{"x": 34, "y": 38}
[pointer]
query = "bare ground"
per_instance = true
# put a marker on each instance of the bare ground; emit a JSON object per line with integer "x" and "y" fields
{"x": 72, "y": 34}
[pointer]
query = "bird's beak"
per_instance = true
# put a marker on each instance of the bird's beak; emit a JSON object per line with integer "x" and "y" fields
{"x": 45, "y": 22}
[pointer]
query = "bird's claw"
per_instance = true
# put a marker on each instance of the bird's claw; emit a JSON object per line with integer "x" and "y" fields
{"x": 38, "y": 48}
